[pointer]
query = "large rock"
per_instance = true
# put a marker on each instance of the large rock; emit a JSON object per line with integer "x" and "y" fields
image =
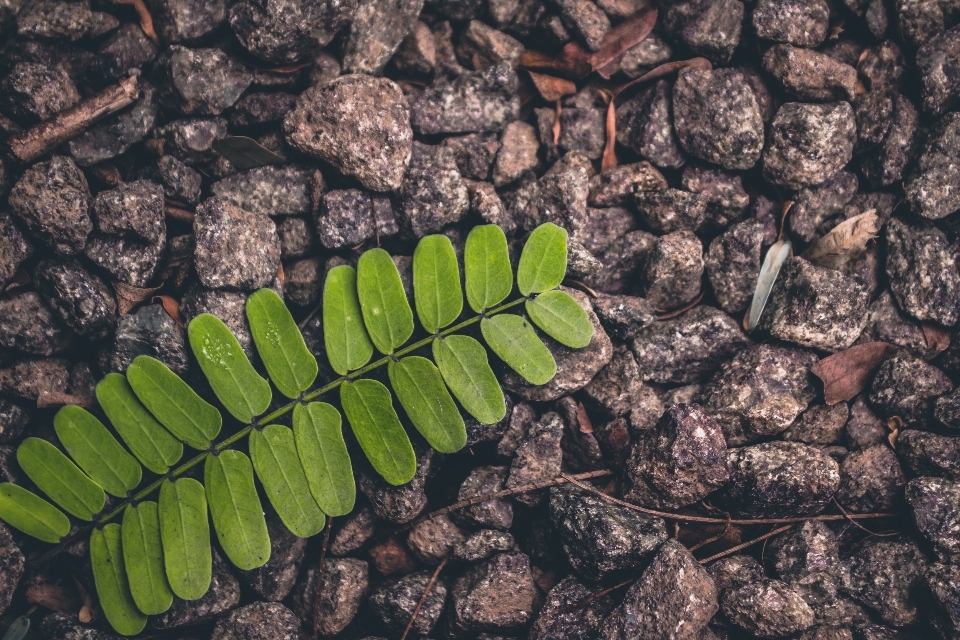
{"x": 258, "y": 621}
{"x": 767, "y": 609}
{"x": 923, "y": 272}
{"x": 236, "y": 249}
{"x": 81, "y": 300}
{"x": 934, "y": 505}
{"x": 52, "y": 200}
{"x": 343, "y": 584}
{"x": 496, "y": 596}
{"x": 885, "y": 574}
{"x": 284, "y": 32}
{"x": 485, "y": 100}
{"x": 563, "y": 617}
{"x": 809, "y": 143}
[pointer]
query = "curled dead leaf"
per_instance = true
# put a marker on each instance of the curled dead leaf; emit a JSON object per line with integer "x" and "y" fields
{"x": 172, "y": 307}
{"x": 585, "y": 425}
{"x": 146, "y": 21}
{"x": 666, "y": 315}
{"x": 552, "y": 88}
{"x": 894, "y": 424}
{"x": 573, "y": 61}
{"x": 844, "y": 242}
{"x": 936, "y": 337}
{"x": 129, "y": 297}
{"x": 609, "y": 160}
{"x": 845, "y": 374}
{"x": 20, "y": 279}
{"x": 630, "y": 32}
{"x": 664, "y": 70}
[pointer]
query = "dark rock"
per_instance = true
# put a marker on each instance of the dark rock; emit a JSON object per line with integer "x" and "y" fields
{"x": 929, "y": 454}
{"x": 941, "y": 580}
{"x": 923, "y": 272}
{"x": 270, "y": 191}
{"x": 27, "y": 325}
{"x": 717, "y": 117}
{"x": 236, "y": 249}
{"x": 682, "y": 462}
{"x": 933, "y": 503}
{"x": 398, "y": 504}
{"x": 937, "y": 63}
{"x": 907, "y": 387}
{"x": 733, "y": 263}
{"x": 343, "y": 584}
{"x": 583, "y": 130}
{"x": 816, "y": 205}
{"x": 260, "y": 108}
{"x": 807, "y": 557}
{"x": 616, "y": 185}
{"x": 560, "y": 618}
{"x": 133, "y": 209}
{"x": 870, "y": 480}
{"x": 586, "y": 20}
{"x": 797, "y": 22}
{"x": 488, "y": 45}
{"x": 623, "y": 316}
{"x": 395, "y": 600}
{"x": 391, "y": 557}
{"x": 483, "y": 544}
{"x": 434, "y": 539}
{"x": 874, "y": 114}
{"x": 14, "y": 249}
{"x": 815, "y": 307}
{"x": 687, "y": 348}
{"x": 709, "y": 28}
{"x": 29, "y": 378}
{"x": 433, "y": 194}
{"x": 778, "y": 479}
{"x": 186, "y": 20}
{"x": 11, "y": 567}
{"x": 126, "y": 50}
{"x": 887, "y": 323}
{"x": 14, "y": 419}
{"x": 199, "y": 81}
{"x": 810, "y": 75}
{"x": 190, "y": 140}
{"x": 820, "y": 424}
{"x": 358, "y": 527}
{"x": 727, "y": 201}
{"x": 129, "y": 261}
{"x": 735, "y": 571}
{"x": 229, "y": 306}
{"x": 809, "y": 143}
{"x": 560, "y": 196}
{"x": 538, "y": 458}
{"x": 223, "y": 595}
{"x": 349, "y": 217}
{"x": 518, "y": 153}
{"x": 474, "y": 153}
{"x": 298, "y": 237}
{"x": 258, "y": 621}
{"x": 152, "y": 332}
{"x": 882, "y": 67}
{"x": 929, "y": 189}
{"x": 80, "y": 299}
{"x": 417, "y": 55}
{"x": 885, "y": 574}
{"x": 497, "y": 596}
{"x": 620, "y": 261}
{"x": 673, "y": 271}
{"x": 617, "y": 387}
{"x": 496, "y": 513}
{"x": 671, "y": 210}
{"x": 179, "y": 181}
{"x": 760, "y": 391}
{"x": 68, "y": 20}
{"x": 377, "y": 30}
{"x": 359, "y": 125}
{"x": 274, "y": 580}
{"x": 51, "y": 199}
{"x": 283, "y": 33}
{"x": 34, "y": 92}
{"x": 767, "y": 609}
{"x": 478, "y": 432}
{"x": 645, "y": 125}
{"x": 303, "y": 282}
{"x": 485, "y": 203}
{"x": 66, "y": 626}
{"x": 650, "y": 52}
{"x": 885, "y": 166}
{"x": 602, "y": 540}
{"x": 485, "y": 100}
{"x": 674, "y": 598}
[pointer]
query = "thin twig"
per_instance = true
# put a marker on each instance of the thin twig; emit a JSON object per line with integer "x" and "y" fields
{"x": 310, "y": 316}
{"x": 733, "y": 550}
{"x": 860, "y": 526}
{"x": 600, "y": 594}
{"x": 423, "y": 598}
{"x": 707, "y": 541}
{"x": 319, "y": 578}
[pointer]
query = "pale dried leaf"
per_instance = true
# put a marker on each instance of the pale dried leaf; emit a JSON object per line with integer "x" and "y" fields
{"x": 552, "y": 88}
{"x": 936, "y": 337}
{"x": 845, "y": 374}
{"x": 585, "y": 425}
{"x": 606, "y": 61}
{"x": 776, "y": 256}
{"x": 129, "y": 297}
{"x": 610, "y": 149}
{"x": 664, "y": 70}
{"x": 845, "y": 241}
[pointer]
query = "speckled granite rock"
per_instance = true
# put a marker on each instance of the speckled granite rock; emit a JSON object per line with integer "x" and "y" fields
{"x": 497, "y": 513}
{"x": 673, "y": 270}
{"x": 885, "y": 574}
{"x": 809, "y": 143}
{"x": 27, "y": 325}
{"x": 358, "y": 124}
{"x": 558, "y": 619}
{"x": 236, "y": 249}
{"x": 870, "y": 480}
{"x": 343, "y": 585}
{"x": 937, "y": 65}
{"x": 484, "y": 100}
{"x": 28, "y": 378}
{"x": 52, "y": 200}
{"x": 923, "y": 272}
{"x": 907, "y": 387}
{"x": 258, "y": 621}
{"x": 803, "y": 23}
{"x": 229, "y": 306}
{"x": 14, "y": 249}
{"x": 199, "y": 81}
{"x": 271, "y": 191}
{"x": 709, "y": 28}
{"x": 283, "y": 32}
{"x": 152, "y": 332}
{"x": 933, "y": 504}
{"x": 11, "y": 567}
{"x": 496, "y": 596}
{"x": 929, "y": 454}
{"x": 820, "y": 424}
{"x": 397, "y": 504}
{"x": 810, "y": 75}
{"x": 224, "y": 594}
{"x": 80, "y": 299}
{"x": 767, "y": 609}
{"x": 815, "y": 205}
{"x": 645, "y": 125}
{"x": 942, "y": 581}
{"x": 394, "y": 601}
{"x": 377, "y": 30}
{"x": 732, "y": 263}
{"x": 929, "y": 189}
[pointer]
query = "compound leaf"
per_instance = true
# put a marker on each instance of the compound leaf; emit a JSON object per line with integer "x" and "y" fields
{"x": 275, "y": 460}
{"x": 369, "y": 409}
{"x": 514, "y": 340}
{"x": 96, "y": 451}
{"x": 561, "y": 318}
{"x": 185, "y": 532}
{"x": 143, "y": 557}
{"x": 110, "y": 577}
{"x": 172, "y": 402}
{"x": 154, "y": 446}
{"x": 386, "y": 312}
{"x": 543, "y": 261}
{"x": 280, "y": 344}
{"x": 345, "y": 337}
{"x": 58, "y": 477}
{"x": 28, "y": 512}
{"x": 466, "y": 370}
{"x": 235, "y": 509}
{"x": 486, "y": 267}
{"x": 436, "y": 283}
{"x": 242, "y": 390}
{"x": 323, "y": 455}
{"x": 424, "y": 396}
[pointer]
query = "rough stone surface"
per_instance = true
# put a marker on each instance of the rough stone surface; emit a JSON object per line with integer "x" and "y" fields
{"x": 809, "y": 143}
{"x": 674, "y": 270}
{"x": 870, "y": 480}
{"x": 394, "y": 601}
{"x": 816, "y": 205}
{"x": 275, "y": 580}
{"x": 11, "y": 567}
{"x": 559, "y": 620}
{"x": 258, "y": 621}
{"x": 132, "y": 209}
{"x": 478, "y": 101}
{"x": 923, "y": 272}
{"x": 34, "y": 92}
{"x": 732, "y": 263}
{"x": 496, "y": 596}
{"x": 538, "y": 458}
{"x": 14, "y": 249}
{"x": 271, "y": 191}
{"x": 27, "y": 325}
{"x": 937, "y": 63}
{"x": 433, "y": 194}
{"x": 151, "y": 332}
{"x": 497, "y": 513}
{"x": 671, "y": 210}
{"x": 929, "y": 454}
{"x": 885, "y": 574}
{"x": 616, "y": 185}
{"x": 229, "y": 306}
{"x": 907, "y": 387}
{"x": 224, "y": 594}
{"x": 377, "y": 30}
{"x": 942, "y": 580}
{"x": 803, "y": 23}
{"x": 80, "y": 299}
{"x": 186, "y": 20}
{"x": 236, "y": 249}
{"x": 199, "y": 81}
{"x": 398, "y": 504}
{"x": 28, "y": 378}
{"x": 767, "y": 609}
{"x": 434, "y": 539}
{"x": 933, "y": 504}
{"x": 52, "y": 200}
{"x": 284, "y": 32}
{"x": 645, "y": 125}
{"x": 343, "y": 585}
{"x": 820, "y": 424}
{"x": 810, "y": 75}
{"x": 709, "y": 28}
{"x": 929, "y": 189}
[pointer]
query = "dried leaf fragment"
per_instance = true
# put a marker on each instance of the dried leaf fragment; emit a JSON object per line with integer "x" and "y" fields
{"x": 609, "y": 160}
{"x": 936, "y": 337}
{"x": 585, "y": 425}
{"x": 172, "y": 307}
{"x": 664, "y": 70}
{"x": 776, "y": 256}
{"x": 606, "y": 61}
{"x": 552, "y": 88}
{"x": 146, "y": 22}
{"x": 54, "y": 597}
{"x": 845, "y": 241}
{"x": 573, "y": 61}
{"x": 845, "y": 374}
{"x": 128, "y": 297}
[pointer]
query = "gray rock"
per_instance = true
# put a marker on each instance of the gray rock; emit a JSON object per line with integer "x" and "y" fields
{"x": 51, "y": 199}
{"x": 870, "y": 480}
{"x": 936, "y": 61}
{"x": 14, "y": 419}
{"x": 617, "y": 387}
{"x": 358, "y": 124}
{"x": 488, "y": 44}
{"x": 236, "y": 249}
{"x": 129, "y": 261}
{"x": 186, "y": 20}
{"x": 810, "y": 75}
{"x": 68, "y": 20}
{"x": 80, "y": 299}
{"x": 258, "y": 621}
{"x": 941, "y": 582}
{"x": 929, "y": 454}
{"x": 518, "y": 153}
{"x": 674, "y": 270}
{"x": 393, "y": 603}
{"x": 66, "y": 626}
{"x": 376, "y": 32}
{"x": 343, "y": 585}
{"x": 180, "y": 182}
{"x": 808, "y": 557}
{"x": 602, "y": 540}
{"x": 923, "y": 272}
{"x": 27, "y": 325}
{"x": 474, "y": 153}
{"x": 885, "y": 574}
{"x": 798, "y": 22}
{"x": 190, "y": 140}
{"x": 483, "y": 544}
{"x": 820, "y": 424}
{"x": 282, "y": 32}
{"x": 223, "y": 595}
{"x": 809, "y": 143}
{"x": 767, "y": 609}
{"x": 199, "y": 81}
{"x": 674, "y": 598}
{"x": 151, "y": 332}
{"x": 586, "y": 20}
{"x": 496, "y": 513}
{"x": 11, "y": 567}
{"x": 623, "y": 316}
{"x": 907, "y": 387}
{"x": 303, "y": 282}
{"x": 133, "y": 209}
{"x": 727, "y": 201}
{"x": 887, "y": 323}
{"x": 650, "y": 52}
{"x": 496, "y": 596}
{"x": 928, "y": 190}
{"x": 260, "y": 108}
{"x": 270, "y": 191}
{"x": 645, "y": 125}
{"x": 128, "y": 48}
{"x": 561, "y": 618}
{"x": 671, "y": 210}
{"x": 709, "y": 28}
{"x": 898, "y": 147}
{"x": 583, "y": 130}
{"x": 538, "y": 458}
{"x": 398, "y": 504}
{"x": 485, "y": 100}
{"x": 733, "y": 263}
{"x": 348, "y": 217}
{"x": 298, "y": 237}
{"x": 616, "y": 185}
{"x": 14, "y": 249}
{"x": 34, "y": 92}
{"x": 933, "y": 505}
{"x": 735, "y": 571}
{"x": 29, "y": 378}
{"x": 434, "y": 539}
{"x": 433, "y": 194}
{"x": 814, "y": 206}
{"x": 559, "y": 196}
{"x": 229, "y": 306}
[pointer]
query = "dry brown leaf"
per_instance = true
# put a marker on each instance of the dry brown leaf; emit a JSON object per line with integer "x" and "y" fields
{"x": 583, "y": 419}
{"x": 176, "y": 213}
{"x": 846, "y": 373}
{"x": 845, "y": 241}
{"x": 54, "y": 399}
{"x": 665, "y": 70}
{"x": 606, "y": 61}
{"x": 146, "y": 22}
{"x": 894, "y": 424}
{"x": 573, "y": 61}
{"x": 280, "y": 276}
{"x": 666, "y": 315}
{"x": 89, "y": 612}
{"x": 54, "y": 597}
{"x": 107, "y": 173}
{"x": 552, "y": 88}
{"x": 556, "y": 124}
{"x": 172, "y": 307}
{"x": 609, "y": 160}
{"x": 128, "y": 297}
{"x": 935, "y": 336}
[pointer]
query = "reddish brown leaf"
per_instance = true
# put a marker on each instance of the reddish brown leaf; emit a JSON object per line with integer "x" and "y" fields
{"x": 146, "y": 22}
{"x": 936, "y": 337}
{"x": 846, "y": 373}
{"x": 585, "y": 425}
{"x": 280, "y": 276}
{"x": 128, "y": 297}
{"x": 556, "y": 124}
{"x": 666, "y": 315}
{"x": 665, "y": 70}
{"x": 606, "y": 61}
{"x": 54, "y": 597}
{"x": 54, "y": 399}
{"x": 610, "y": 149}
{"x": 176, "y": 213}
{"x": 172, "y": 307}
{"x": 573, "y": 62}
{"x": 552, "y": 88}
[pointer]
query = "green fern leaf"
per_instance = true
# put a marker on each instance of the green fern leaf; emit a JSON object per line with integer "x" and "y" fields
{"x": 514, "y": 340}
{"x": 241, "y": 390}
{"x": 171, "y": 401}
{"x": 543, "y": 261}
{"x": 31, "y": 514}
{"x": 424, "y": 396}
{"x": 369, "y": 409}
{"x": 323, "y": 455}
{"x": 110, "y": 576}
{"x": 466, "y": 370}
{"x": 96, "y": 451}
{"x": 154, "y": 446}
{"x": 143, "y": 558}
{"x": 185, "y": 532}
{"x": 235, "y": 509}
{"x": 291, "y": 366}
{"x": 436, "y": 283}
{"x": 383, "y": 303}
{"x": 486, "y": 267}
{"x": 561, "y": 318}
{"x": 58, "y": 477}
{"x": 274, "y": 456}
{"x": 345, "y": 337}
